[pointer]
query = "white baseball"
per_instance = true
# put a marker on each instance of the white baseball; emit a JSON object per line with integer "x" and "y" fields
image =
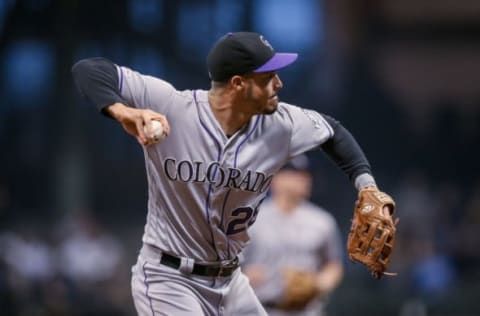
{"x": 157, "y": 131}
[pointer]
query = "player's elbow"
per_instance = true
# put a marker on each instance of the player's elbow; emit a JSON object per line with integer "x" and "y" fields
{"x": 84, "y": 66}
{"x": 81, "y": 68}
{"x": 81, "y": 65}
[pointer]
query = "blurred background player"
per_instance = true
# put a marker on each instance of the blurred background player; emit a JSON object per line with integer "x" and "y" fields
{"x": 292, "y": 234}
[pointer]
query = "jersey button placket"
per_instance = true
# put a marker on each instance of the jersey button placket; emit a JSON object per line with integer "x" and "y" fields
{"x": 228, "y": 161}
{"x": 228, "y": 156}
{"x": 224, "y": 164}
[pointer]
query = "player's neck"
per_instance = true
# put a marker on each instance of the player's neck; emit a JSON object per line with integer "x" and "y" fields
{"x": 228, "y": 116}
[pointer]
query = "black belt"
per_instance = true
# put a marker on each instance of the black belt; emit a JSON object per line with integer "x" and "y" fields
{"x": 220, "y": 270}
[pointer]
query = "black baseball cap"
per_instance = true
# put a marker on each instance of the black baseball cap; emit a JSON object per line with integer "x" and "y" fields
{"x": 243, "y": 52}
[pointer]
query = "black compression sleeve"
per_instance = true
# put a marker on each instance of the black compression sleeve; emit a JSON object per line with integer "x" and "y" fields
{"x": 344, "y": 150}
{"x": 97, "y": 80}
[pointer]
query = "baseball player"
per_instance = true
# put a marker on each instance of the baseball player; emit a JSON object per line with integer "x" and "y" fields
{"x": 208, "y": 177}
{"x": 291, "y": 240}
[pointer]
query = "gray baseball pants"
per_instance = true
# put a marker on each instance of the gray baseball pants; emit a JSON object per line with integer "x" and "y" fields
{"x": 161, "y": 290}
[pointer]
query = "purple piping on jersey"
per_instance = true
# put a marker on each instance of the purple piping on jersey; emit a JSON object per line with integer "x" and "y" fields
{"x": 146, "y": 286}
{"x": 225, "y": 203}
{"x": 207, "y": 200}
{"x": 223, "y": 213}
{"x": 235, "y": 166}
{"x": 218, "y": 305}
{"x": 120, "y": 85}
{"x": 244, "y": 140}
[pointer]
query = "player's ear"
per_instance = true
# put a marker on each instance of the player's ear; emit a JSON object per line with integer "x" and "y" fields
{"x": 237, "y": 82}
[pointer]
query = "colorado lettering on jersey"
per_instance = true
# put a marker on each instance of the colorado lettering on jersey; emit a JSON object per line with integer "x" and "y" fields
{"x": 215, "y": 174}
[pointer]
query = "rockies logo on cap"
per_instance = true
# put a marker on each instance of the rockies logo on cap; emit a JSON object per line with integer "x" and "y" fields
{"x": 264, "y": 41}
{"x": 243, "y": 52}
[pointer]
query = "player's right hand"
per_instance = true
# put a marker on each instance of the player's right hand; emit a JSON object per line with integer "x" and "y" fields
{"x": 133, "y": 121}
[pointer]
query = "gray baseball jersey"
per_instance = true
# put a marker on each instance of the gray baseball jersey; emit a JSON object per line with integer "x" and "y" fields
{"x": 305, "y": 239}
{"x": 204, "y": 187}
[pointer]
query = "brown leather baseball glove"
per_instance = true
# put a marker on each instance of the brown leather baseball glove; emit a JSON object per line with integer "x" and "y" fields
{"x": 300, "y": 289}
{"x": 372, "y": 235}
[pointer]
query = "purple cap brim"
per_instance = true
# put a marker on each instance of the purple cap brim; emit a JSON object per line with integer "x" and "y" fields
{"x": 278, "y": 61}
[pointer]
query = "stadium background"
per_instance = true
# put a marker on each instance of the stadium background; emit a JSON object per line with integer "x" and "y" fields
{"x": 401, "y": 75}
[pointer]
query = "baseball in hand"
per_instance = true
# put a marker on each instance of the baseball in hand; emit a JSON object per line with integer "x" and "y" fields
{"x": 157, "y": 132}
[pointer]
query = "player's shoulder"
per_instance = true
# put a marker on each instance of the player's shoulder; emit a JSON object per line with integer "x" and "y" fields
{"x": 187, "y": 95}
{"x": 289, "y": 113}
{"x": 283, "y": 116}
{"x": 284, "y": 109}
{"x": 126, "y": 73}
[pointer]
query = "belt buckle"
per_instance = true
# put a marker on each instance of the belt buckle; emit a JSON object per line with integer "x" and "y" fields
{"x": 226, "y": 266}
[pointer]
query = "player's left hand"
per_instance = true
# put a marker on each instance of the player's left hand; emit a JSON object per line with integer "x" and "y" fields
{"x": 372, "y": 234}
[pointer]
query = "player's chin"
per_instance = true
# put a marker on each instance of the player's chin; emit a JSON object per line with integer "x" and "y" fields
{"x": 271, "y": 107}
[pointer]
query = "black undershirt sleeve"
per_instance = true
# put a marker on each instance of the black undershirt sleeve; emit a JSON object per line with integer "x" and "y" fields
{"x": 97, "y": 80}
{"x": 344, "y": 150}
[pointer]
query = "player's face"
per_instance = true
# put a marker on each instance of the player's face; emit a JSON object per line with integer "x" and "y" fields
{"x": 261, "y": 91}
{"x": 293, "y": 185}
